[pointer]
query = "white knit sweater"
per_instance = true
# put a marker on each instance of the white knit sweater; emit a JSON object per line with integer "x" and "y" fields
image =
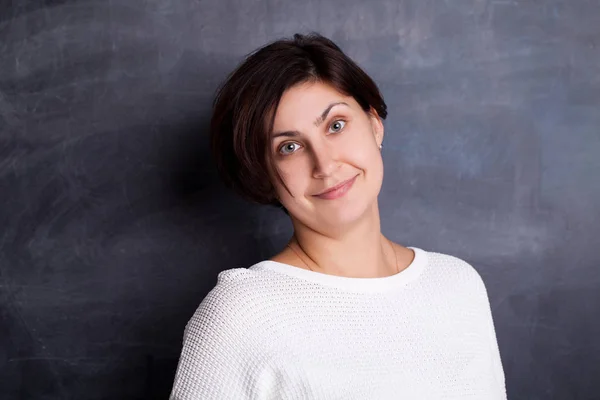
{"x": 275, "y": 331}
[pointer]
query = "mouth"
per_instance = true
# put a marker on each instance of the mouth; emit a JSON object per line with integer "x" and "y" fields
{"x": 338, "y": 190}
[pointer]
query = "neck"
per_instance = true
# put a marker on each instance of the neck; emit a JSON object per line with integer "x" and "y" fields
{"x": 359, "y": 251}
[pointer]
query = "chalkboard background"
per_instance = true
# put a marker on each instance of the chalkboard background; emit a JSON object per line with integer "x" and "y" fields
{"x": 113, "y": 225}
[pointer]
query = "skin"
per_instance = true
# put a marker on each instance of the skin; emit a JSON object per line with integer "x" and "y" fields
{"x": 341, "y": 236}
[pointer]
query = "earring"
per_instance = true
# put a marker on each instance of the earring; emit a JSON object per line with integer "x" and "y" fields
{"x": 380, "y": 146}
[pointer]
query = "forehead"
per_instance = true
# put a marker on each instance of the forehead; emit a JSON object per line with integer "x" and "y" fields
{"x": 306, "y": 101}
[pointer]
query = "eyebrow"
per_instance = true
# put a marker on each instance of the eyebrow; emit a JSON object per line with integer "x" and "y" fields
{"x": 317, "y": 122}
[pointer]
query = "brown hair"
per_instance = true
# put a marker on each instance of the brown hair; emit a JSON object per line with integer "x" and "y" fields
{"x": 245, "y": 106}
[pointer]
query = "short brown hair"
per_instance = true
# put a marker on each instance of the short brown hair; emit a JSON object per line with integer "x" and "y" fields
{"x": 245, "y": 105}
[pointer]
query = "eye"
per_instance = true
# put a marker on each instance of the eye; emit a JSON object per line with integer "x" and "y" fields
{"x": 337, "y": 125}
{"x": 288, "y": 148}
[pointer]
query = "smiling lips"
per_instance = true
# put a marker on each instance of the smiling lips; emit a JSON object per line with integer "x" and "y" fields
{"x": 337, "y": 191}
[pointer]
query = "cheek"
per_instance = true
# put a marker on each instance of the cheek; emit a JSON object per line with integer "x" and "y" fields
{"x": 293, "y": 178}
{"x": 370, "y": 162}
{"x": 359, "y": 143}
{"x": 365, "y": 155}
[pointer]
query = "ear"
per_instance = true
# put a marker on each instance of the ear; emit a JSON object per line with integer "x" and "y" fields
{"x": 377, "y": 126}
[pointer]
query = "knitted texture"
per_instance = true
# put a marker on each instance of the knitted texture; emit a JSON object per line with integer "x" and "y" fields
{"x": 275, "y": 331}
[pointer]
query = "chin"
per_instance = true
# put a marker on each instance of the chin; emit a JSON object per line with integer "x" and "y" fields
{"x": 344, "y": 214}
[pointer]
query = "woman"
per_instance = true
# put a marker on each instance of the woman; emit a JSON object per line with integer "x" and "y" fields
{"x": 342, "y": 312}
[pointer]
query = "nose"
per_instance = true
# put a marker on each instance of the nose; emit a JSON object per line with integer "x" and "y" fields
{"x": 325, "y": 159}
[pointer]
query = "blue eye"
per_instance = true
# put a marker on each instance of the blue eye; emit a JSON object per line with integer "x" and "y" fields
{"x": 288, "y": 146}
{"x": 338, "y": 125}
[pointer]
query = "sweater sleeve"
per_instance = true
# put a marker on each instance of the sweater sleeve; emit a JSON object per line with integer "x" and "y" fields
{"x": 214, "y": 361}
{"x": 493, "y": 341}
{"x": 499, "y": 370}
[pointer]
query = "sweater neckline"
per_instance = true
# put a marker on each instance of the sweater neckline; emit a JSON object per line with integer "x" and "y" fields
{"x": 409, "y": 274}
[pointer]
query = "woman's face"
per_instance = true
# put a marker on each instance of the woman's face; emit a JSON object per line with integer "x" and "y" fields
{"x": 320, "y": 139}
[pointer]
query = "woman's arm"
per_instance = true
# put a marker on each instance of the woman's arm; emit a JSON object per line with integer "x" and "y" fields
{"x": 215, "y": 361}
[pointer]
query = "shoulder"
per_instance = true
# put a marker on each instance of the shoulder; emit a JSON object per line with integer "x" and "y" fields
{"x": 455, "y": 271}
{"x": 234, "y": 302}
{"x": 222, "y": 340}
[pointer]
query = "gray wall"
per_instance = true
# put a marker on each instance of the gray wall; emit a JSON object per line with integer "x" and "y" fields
{"x": 114, "y": 225}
